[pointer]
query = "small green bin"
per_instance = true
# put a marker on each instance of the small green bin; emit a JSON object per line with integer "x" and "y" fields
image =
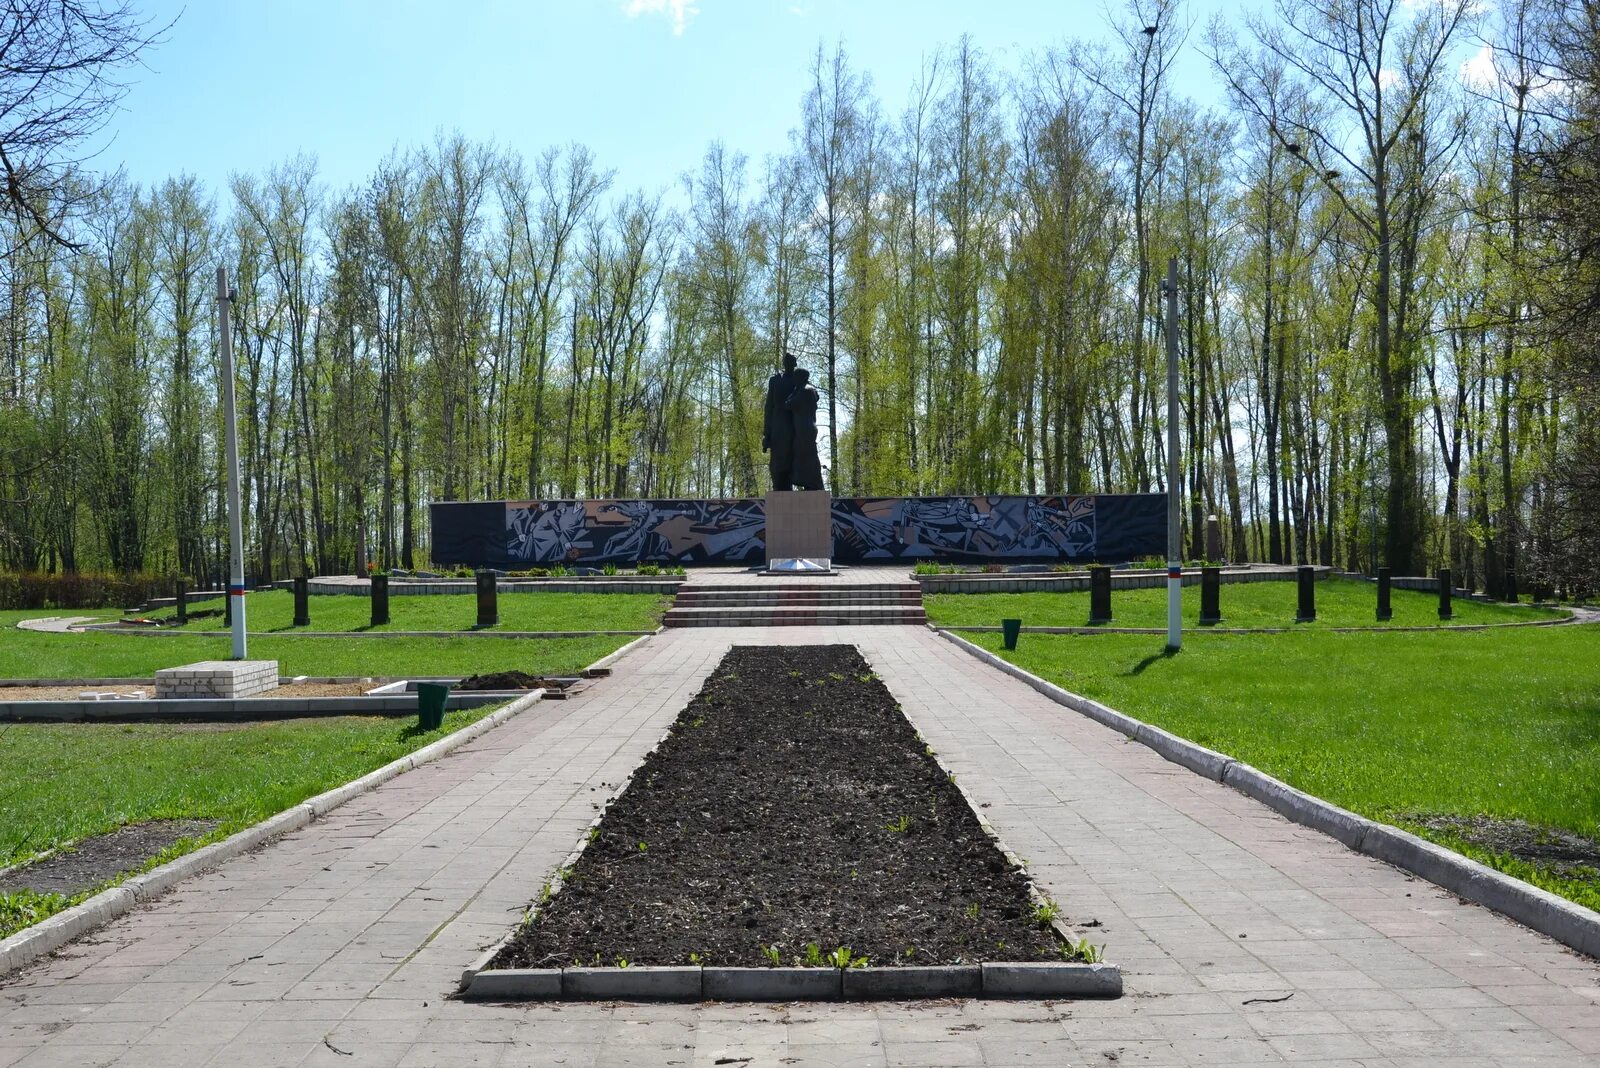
{"x": 431, "y": 698}
{"x": 1010, "y": 628}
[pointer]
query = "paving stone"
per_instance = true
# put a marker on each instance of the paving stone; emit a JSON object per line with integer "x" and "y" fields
{"x": 1175, "y": 867}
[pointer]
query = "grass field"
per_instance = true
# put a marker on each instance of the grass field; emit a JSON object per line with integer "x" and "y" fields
{"x": 1340, "y": 603}
{"x": 1397, "y": 727}
{"x": 31, "y": 654}
{"x": 60, "y": 783}
{"x": 274, "y": 611}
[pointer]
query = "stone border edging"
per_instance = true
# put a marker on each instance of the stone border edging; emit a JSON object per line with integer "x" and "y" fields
{"x": 1046, "y": 979}
{"x": 979, "y": 628}
{"x": 1567, "y": 922}
{"x": 51, "y": 934}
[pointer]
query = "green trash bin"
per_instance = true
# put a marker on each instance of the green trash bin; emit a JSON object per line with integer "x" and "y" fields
{"x": 1010, "y": 628}
{"x": 431, "y": 697}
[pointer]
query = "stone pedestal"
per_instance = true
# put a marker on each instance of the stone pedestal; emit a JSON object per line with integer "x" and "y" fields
{"x": 799, "y": 526}
{"x": 218, "y": 678}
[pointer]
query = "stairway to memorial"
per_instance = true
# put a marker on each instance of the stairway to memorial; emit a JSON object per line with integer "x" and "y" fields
{"x": 745, "y": 600}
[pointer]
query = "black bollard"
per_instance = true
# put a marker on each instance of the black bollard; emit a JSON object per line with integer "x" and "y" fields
{"x": 380, "y": 600}
{"x": 1210, "y": 596}
{"x": 227, "y": 607}
{"x": 1444, "y": 593}
{"x": 1385, "y": 611}
{"x": 1099, "y": 595}
{"x": 302, "y": 602}
{"x": 180, "y": 596}
{"x": 1308, "y": 595}
{"x": 488, "y": 600}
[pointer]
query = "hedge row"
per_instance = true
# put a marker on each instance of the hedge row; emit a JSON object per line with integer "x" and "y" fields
{"x": 29, "y": 590}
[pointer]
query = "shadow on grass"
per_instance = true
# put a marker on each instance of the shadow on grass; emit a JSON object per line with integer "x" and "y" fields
{"x": 1165, "y": 654}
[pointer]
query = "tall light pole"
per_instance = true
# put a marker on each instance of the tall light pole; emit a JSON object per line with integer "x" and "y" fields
{"x": 1174, "y": 476}
{"x": 231, "y": 431}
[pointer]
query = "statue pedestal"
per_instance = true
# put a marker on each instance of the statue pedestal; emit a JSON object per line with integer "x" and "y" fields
{"x": 799, "y": 531}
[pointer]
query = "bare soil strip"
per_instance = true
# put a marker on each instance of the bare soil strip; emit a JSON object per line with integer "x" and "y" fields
{"x": 95, "y": 860}
{"x": 792, "y": 805}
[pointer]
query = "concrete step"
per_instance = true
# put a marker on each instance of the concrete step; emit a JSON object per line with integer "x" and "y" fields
{"x": 781, "y": 615}
{"x": 707, "y": 600}
{"x": 824, "y": 586}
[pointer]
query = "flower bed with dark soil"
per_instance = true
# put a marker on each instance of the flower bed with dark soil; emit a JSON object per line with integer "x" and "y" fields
{"x": 791, "y": 812}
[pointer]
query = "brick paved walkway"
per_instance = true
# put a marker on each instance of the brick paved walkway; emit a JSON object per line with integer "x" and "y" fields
{"x": 336, "y": 945}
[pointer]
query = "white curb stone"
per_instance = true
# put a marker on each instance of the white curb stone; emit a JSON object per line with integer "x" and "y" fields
{"x": 772, "y": 984}
{"x": 1047, "y": 979}
{"x": 649, "y": 984}
{"x": 952, "y": 981}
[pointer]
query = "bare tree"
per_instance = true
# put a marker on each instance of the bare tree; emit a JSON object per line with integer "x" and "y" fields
{"x": 58, "y": 87}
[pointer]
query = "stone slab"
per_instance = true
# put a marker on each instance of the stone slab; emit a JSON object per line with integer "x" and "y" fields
{"x": 799, "y": 524}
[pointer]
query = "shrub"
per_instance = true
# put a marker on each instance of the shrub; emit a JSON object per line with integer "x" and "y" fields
{"x": 31, "y": 590}
{"x": 649, "y": 570}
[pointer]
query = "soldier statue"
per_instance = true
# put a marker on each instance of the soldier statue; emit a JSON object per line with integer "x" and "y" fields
{"x": 777, "y": 429}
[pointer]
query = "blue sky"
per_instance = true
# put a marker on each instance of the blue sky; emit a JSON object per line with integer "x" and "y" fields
{"x": 645, "y": 83}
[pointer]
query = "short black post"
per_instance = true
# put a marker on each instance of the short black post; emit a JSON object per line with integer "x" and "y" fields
{"x": 1099, "y": 595}
{"x": 1444, "y": 593}
{"x": 1210, "y": 596}
{"x": 1009, "y": 629}
{"x": 302, "y": 602}
{"x": 1308, "y": 595}
{"x": 1213, "y": 539}
{"x": 227, "y": 607}
{"x": 180, "y": 597}
{"x": 488, "y": 600}
{"x": 1385, "y": 611}
{"x": 380, "y": 600}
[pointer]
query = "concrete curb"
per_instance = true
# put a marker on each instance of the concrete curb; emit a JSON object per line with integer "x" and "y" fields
{"x": 1570, "y": 924}
{"x": 173, "y": 632}
{"x": 44, "y": 937}
{"x": 975, "y": 628}
{"x": 1002, "y": 979}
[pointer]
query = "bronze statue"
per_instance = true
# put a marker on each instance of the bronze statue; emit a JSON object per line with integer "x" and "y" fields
{"x": 806, "y": 467}
{"x": 777, "y": 429}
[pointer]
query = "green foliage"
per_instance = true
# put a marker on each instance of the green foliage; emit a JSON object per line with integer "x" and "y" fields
{"x": 81, "y": 590}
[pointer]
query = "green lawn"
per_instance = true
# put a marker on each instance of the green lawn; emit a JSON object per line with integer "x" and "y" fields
{"x": 31, "y": 654}
{"x": 1395, "y": 726}
{"x": 60, "y": 783}
{"x": 274, "y": 611}
{"x": 1340, "y": 603}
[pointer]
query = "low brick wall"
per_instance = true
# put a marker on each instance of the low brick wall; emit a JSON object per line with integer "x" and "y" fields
{"x": 217, "y": 678}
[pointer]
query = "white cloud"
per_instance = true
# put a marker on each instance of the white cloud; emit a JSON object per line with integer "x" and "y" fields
{"x": 678, "y": 12}
{"x": 1478, "y": 72}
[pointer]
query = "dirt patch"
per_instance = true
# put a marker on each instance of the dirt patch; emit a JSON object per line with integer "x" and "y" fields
{"x": 511, "y": 680}
{"x": 321, "y": 689}
{"x": 96, "y": 860}
{"x": 1562, "y": 853}
{"x": 145, "y": 691}
{"x": 791, "y": 804}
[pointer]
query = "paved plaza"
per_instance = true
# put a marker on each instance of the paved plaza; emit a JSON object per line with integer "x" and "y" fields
{"x": 1244, "y": 939}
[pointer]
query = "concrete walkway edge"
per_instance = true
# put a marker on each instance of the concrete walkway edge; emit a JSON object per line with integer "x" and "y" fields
{"x": 1566, "y": 922}
{"x": 51, "y": 934}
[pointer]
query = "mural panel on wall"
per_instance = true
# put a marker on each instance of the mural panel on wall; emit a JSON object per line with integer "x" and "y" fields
{"x": 1001, "y": 529}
